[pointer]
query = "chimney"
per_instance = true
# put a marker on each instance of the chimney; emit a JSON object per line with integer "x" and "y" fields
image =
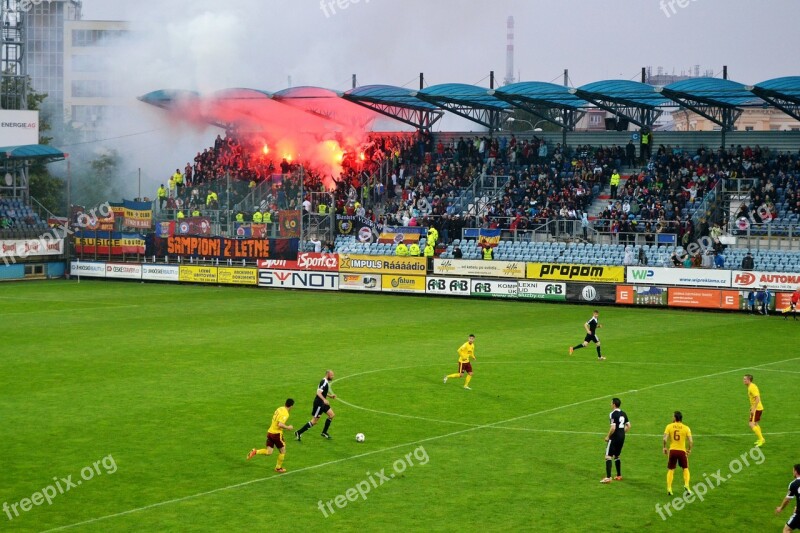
{"x": 510, "y": 53}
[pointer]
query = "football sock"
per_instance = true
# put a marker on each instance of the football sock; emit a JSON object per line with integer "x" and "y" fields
{"x": 618, "y": 464}
{"x": 281, "y": 457}
{"x": 327, "y": 425}
{"x": 469, "y": 378}
{"x": 305, "y": 428}
{"x": 670, "y": 475}
{"x": 578, "y": 347}
{"x": 598, "y": 352}
{"x": 608, "y": 467}
{"x": 685, "y": 477}
{"x": 453, "y": 376}
{"x": 757, "y": 431}
{"x": 262, "y": 451}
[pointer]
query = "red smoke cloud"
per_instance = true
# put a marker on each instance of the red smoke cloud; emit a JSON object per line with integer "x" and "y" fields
{"x": 306, "y": 125}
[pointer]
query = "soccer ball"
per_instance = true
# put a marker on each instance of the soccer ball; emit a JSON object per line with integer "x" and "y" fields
{"x": 360, "y": 437}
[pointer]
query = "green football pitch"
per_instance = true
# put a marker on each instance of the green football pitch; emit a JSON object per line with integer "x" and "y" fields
{"x": 131, "y": 407}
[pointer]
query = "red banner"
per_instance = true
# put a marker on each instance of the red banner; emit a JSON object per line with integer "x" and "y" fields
{"x": 289, "y": 224}
{"x": 305, "y": 261}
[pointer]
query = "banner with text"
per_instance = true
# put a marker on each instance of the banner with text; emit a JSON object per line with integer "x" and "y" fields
{"x": 568, "y": 272}
{"x": 198, "y": 274}
{"x": 108, "y": 243}
{"x": 31, "y": 247}
{"x": 364, "y": 229}
{"x": 380, "y": 264}
{"x": 537, "y": 290}
{"x": 491, "y": 288}
{"x": 448, "y": 286}
{"x": 704, "y": 298}
{"x": 690, "y": 277}
{"x": 237, "y": 276}
{"x": 137, "y": 215}
{"x": 222, "y": 248}
{"x": 406, "y": 284}
{"x": 294, "y": 279}
{"x": 775, "y": 281}
{"x": 477, "y": 268}
{"x": 305, "y": 261}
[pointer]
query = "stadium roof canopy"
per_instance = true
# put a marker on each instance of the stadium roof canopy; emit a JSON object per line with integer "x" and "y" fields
{"x": 631, "y": 100}
{"x": 468, "y": 101}
{"x": 783, "y": 93}
{"x": 548, "y": 101}
{"x": 398, "y": 103}
{"x": 719, "y": 100}
{"x": 29, "y": 152}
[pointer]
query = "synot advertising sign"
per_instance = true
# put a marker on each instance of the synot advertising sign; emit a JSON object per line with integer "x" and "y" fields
{"x": 90, "y": 269}
{"x": 494, "y": 288}
{"x": 296, "y": 279}
{"x": 380, "y": 264}
{"x": 689, "y": 277}
{"x": 775, "y": 281}
{"x": 198, "y": 274}
{"x": 580, "y": 273}
{"x": 237, "y": 276}
{"x": 444, "y": 286}
{"x": 152, "y": 272}
{"x": 477, "y": 268}
{"x": 123, "y": 271}
{"x": 360, "y": 282}
{"x": 405, "y": 284}
{"x": 538, "y": 290}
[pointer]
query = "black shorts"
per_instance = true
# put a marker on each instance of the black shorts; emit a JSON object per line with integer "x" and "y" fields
{"x": 319, "y": 409}
{"x": 614, "y": 448}
{"x": 591, "y": 338}
{"x": 794, "y": 521}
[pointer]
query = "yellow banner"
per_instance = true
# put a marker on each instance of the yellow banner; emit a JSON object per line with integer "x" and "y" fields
{"x": 382, "y": 264}
{"x": 403, "y": 284}
{"x": 238, "y": 276}
{"x": 198, "y": 274}
{"x": 566, "y": 272}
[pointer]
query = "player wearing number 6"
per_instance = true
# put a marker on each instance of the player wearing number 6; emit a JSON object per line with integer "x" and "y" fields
{"x": 465, "y": 353}
{"x": 620, "y": 424}
{"x": 679, "y": 438}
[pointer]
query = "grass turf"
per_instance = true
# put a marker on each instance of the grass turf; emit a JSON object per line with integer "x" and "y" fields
{"x": 177, "y": 383}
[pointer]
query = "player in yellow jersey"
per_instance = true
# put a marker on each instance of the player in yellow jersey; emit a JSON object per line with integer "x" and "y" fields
{"x": 679, "y": 438}
{"x": 275, "y": 436}
{"x": 756, "y": 408}
{"x": 465, "y": 353}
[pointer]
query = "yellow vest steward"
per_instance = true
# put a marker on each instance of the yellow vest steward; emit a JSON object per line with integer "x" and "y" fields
{"x": 487, "y": 253}
{"x": 401, "y": 250}
{"x": 429, "y": 252}
{"x": 267, "y": 218}
{"x": 413, "y": 250}
{"x": 615, "y": 179}
{"x": 257, "y": 218}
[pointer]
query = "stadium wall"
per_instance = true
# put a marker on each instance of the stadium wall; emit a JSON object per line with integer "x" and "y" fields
{"x": 783, "y": 141}
{"x": 590, "y": 284}
{"x": 31, "y": 271}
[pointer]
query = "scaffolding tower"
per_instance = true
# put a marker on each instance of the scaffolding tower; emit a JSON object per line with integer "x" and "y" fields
{"x": 14, "y": 86}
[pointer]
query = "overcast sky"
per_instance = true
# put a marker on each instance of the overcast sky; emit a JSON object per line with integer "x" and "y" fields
{"x": 206, "y": 45}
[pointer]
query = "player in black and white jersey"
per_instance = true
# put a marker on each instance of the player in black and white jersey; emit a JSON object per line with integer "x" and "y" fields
{"x": 620, "y": 424}
{"x": 794, "y": 492}
{"x": 321, "y": 406}
{"x": 590, "y": 326}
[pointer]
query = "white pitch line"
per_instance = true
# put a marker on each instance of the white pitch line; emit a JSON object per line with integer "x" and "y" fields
{"x": 780, "y": 371}
{"x": 413, "y": 443}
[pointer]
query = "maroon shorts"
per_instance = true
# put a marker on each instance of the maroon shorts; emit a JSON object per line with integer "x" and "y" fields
{"x": 677, "y": 457}
{"x": 275, "y": 440}
{"x": 464, "y": 367}
{"x": 756, "y": 417}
